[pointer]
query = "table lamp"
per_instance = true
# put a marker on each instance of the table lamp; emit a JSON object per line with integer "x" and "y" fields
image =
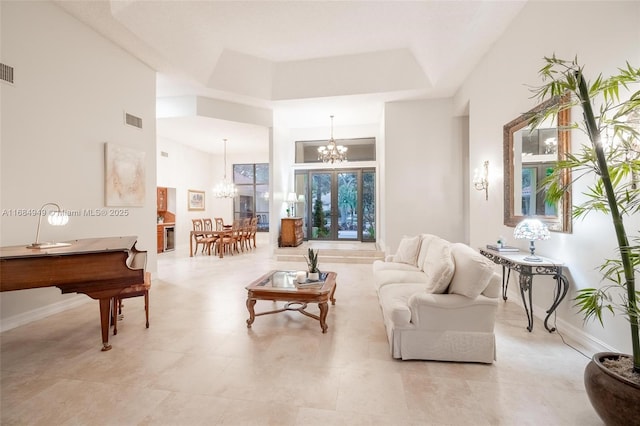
{"x": 56, "y": 218}
{"x": 532, "y": 230}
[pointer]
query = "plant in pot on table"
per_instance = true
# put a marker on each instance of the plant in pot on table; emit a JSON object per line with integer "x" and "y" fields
{"x": 312, "y": 263}
{"x": 612, "y": 380}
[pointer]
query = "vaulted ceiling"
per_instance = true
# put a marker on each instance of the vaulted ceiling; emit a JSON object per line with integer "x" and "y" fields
{"x": 307, "y": 59}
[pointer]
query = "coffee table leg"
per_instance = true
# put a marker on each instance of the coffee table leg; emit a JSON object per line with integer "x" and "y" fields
{"x": 333, "y": 292}
{"x": 324, "y": 308}
{"x": 252, "y": 314}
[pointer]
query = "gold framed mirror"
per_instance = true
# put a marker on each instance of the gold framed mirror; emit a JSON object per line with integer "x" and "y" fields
{"x": 529, "y": 154}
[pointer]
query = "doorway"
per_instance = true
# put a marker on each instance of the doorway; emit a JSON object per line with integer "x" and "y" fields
{"x": 338, "y": 205}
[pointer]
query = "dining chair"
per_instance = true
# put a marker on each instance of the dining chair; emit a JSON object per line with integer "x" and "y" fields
{"x": 245, "y": 234}
{"x": 210, "y": 238}
{"x": 253, "y": 231}
{"x": 230, "y": 240}
{"x": 199, "y": 235}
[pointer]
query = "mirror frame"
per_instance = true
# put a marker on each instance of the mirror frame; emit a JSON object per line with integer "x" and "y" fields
{"x": 562, "y": 222}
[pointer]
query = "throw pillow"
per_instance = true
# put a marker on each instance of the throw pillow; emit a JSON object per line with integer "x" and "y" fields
{"x": 438, "y": 265}
{"x": 424, "y": 245}
{"x": 408, "y": 250}
{"x": 473, "y": 271}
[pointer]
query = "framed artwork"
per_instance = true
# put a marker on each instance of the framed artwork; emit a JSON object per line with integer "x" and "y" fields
{"x": 125, "y": 180}
{"x": 195, "y": 199}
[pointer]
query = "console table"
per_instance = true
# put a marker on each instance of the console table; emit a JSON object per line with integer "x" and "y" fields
{"x": 515, "y": 261}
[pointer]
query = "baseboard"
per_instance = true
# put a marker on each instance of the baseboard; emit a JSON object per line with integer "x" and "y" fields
{"x": 43, "y": 312}
{"x": 584, "y": 340}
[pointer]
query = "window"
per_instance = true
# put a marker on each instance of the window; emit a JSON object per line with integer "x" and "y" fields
{"x": 252, "y": 181}
{"x": 359, "y": 149}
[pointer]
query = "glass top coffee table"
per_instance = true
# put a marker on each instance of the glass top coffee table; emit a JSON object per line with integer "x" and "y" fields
{"x": 282, "y": 286}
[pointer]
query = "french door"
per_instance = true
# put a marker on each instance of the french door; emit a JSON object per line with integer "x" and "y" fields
{"x": 338, "y": 204}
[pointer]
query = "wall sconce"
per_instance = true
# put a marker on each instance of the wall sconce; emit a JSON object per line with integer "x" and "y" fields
{"x": 55, "y": 218}
{"x": 481, "y": 181}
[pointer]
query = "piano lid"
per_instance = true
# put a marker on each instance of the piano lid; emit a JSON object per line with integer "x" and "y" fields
{"x": 80, "y": 246}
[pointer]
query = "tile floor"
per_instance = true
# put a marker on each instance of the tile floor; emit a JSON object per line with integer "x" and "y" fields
{"x": 198, "y": 364}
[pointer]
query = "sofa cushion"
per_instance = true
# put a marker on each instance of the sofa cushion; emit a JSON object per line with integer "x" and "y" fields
{"x": 494, "y": 288}
{"x": 394, "y": 301}
{"x": 408, "y": 250}
{"x": 395, "y": 276}
{"x": 379, "y": 265}
{"x": 472, "y": 271}
{"x": 425, "y": 240}
{"x": 438, "y": 265}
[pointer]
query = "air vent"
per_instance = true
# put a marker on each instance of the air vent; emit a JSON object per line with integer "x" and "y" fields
{"x": 132, "y": 120}
{"x": 6, "y": 73}
{"x": 164, "y": 153}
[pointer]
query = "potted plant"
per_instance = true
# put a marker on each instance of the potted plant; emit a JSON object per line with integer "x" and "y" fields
{"x": 612, "y": 380}
{"x": 312, "y": 263}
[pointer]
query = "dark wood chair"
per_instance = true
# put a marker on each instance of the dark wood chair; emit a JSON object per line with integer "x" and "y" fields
{"x": 136, "y": 290}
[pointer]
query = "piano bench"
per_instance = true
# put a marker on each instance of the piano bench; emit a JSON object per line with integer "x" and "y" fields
{"x": 135, "y": 290}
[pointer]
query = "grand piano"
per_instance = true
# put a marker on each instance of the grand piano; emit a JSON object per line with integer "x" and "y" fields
{"x": 98, "y": 267}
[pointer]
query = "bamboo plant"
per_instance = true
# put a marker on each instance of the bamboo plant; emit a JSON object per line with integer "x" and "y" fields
{"x": 613, "y": 128}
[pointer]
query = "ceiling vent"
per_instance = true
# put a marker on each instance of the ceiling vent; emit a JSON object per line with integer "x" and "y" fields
{"x": 6, "y": 73}
{"x": 164, "y": 153}
{"x": 132, "y": 120}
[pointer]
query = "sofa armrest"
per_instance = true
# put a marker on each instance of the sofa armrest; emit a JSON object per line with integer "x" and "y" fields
{"x": 452, "y": 312}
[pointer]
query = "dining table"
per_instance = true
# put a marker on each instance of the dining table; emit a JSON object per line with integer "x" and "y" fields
{"x": 215, "y": 233}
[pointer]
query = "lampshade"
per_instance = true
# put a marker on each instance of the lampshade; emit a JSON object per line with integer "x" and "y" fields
{"x": 532, "y": 230}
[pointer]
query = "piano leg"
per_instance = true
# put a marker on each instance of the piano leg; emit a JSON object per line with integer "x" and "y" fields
{"x": 105, "y": 312}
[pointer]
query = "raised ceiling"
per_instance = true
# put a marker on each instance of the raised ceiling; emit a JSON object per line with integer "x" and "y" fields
{"x": 304, "y": 59}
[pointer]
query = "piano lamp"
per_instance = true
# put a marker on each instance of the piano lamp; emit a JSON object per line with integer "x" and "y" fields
{"x": 56, "y": 218}
{"x": 532, "y": 230}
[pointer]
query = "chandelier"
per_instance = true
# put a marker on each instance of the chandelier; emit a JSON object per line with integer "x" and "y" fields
{"x": 332, "y": 153}
{"x": 225, "y": 188}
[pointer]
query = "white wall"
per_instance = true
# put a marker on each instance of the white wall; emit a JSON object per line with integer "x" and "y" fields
{"x": 603, "y": 35}
{"x": 423, "y": 188}
{"x": 71, "y": 90}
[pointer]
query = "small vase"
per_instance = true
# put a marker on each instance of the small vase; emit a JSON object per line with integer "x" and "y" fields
{"x": 314, "y": 276}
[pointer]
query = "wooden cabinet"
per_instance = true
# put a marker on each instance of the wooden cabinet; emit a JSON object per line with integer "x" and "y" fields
{"x": 291, "y": 232}
{"x": 160, "y": 238}
{"x": 162, "y": 199}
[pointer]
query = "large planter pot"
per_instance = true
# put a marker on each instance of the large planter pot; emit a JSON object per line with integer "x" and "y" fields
{"x": 615, "y": 399}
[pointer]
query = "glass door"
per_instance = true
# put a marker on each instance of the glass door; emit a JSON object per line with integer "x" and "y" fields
{"x": 347, "y": 217}
{"x": 320, "y": 205}
{"x": 338, "y": 204}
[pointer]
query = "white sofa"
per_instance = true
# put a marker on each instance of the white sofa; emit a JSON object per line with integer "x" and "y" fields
{"x": 438, "y": 301}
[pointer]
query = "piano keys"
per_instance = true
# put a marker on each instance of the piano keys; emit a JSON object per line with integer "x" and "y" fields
{"x": 98, "y": 267}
